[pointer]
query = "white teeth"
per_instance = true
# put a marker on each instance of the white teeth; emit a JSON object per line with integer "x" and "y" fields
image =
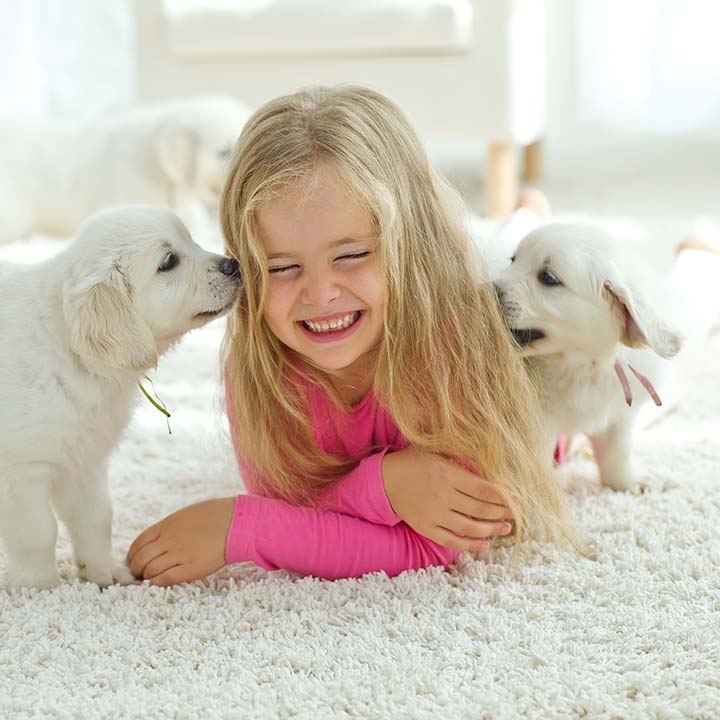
{"x": 339, "y": 324}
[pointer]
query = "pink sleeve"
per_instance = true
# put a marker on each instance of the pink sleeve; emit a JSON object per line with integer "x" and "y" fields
{"x": 277, "y": 535}
{"x": 362, "y": 493}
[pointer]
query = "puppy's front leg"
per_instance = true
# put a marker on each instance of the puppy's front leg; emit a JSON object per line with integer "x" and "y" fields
{"x": 613, "y": 455}
{"x": 28, "y": 527}
{"x": 83, "y": 503}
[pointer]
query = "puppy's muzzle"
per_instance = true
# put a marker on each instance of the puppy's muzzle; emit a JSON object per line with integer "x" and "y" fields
{"x": 508, "y": 307}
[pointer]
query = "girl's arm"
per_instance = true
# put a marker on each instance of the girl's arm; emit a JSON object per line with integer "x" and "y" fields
{"x": 197, "y": 540}
{"x": 277, "y": 535}
{"x": 438, "y": 499}
{"x": 360, "y": 493}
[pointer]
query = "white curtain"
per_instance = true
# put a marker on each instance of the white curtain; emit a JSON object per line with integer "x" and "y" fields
{"x": 67, "y": 60}
{"x": 650, "y": 65}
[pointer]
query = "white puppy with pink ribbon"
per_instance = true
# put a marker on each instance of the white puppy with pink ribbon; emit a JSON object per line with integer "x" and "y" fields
{"x": 601, "y": 346}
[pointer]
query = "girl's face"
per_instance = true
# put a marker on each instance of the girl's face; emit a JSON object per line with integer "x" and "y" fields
{"x": 325, "y": 295}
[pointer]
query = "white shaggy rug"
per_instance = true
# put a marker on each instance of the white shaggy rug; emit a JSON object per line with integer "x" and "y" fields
{"x": 632, "y": 634}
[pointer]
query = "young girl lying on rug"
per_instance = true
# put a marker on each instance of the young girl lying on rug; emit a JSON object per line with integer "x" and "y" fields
{"x": 380, "y": 414}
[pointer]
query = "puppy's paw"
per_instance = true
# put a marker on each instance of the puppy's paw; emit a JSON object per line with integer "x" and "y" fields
{"x": 637, "y": 481}
{"x": 647, "y": 483}
{"x": 122, "y": 575}
{"x": 26, "y": 578}
{"x": 103, "y": 576}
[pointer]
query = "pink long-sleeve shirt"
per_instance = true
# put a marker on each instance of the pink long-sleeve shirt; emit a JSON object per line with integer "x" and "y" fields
{"x": 352, "y": 530}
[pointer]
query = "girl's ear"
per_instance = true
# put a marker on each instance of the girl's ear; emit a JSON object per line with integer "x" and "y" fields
{"x": 104, "y": 325}
{"x": 641, "y": 326}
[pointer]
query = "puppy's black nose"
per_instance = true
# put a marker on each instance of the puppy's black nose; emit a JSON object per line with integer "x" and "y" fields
{"x": 229, "y": 266}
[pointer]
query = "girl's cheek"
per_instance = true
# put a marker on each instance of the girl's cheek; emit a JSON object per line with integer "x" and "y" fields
{"x": 372, "y": 286}
{"x": 279, "y": 299}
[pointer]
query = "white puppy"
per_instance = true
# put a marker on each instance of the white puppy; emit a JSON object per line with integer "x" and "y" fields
{"x": 77, "y": 332}
{"x": 593, "y": 343}
{"x": 172, "y": 153}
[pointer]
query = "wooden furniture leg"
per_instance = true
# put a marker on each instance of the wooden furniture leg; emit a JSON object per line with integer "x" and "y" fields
{"x": 532, "y": 161}
{"x": 501, "y": 179}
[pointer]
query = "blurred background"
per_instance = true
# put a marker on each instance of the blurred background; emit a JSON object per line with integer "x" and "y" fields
{"x": 611, "y": 107}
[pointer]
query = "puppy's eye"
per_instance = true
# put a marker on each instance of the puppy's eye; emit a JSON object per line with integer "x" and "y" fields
{"x": 171, "y": 260}
{"x": 547, "y": 278}
{"x": 224, "y": 154}
{"x": 512, "y": 259}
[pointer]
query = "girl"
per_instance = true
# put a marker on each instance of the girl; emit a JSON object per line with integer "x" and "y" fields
{"x": 380, "y": 415}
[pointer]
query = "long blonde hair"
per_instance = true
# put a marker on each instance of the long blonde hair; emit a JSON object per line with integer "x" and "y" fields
{"x": 446, "y": 369}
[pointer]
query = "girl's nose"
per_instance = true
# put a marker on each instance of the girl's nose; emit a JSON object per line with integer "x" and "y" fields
{"x": 320, "y": 289}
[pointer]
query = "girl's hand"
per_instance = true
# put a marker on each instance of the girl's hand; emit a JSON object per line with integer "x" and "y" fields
{"x": 442, "y": 501}
{"x": 185, "y": 546}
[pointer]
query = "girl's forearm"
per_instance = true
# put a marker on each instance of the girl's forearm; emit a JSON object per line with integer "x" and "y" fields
{"x": 277, "y": 535}
{"x": 361, "y": 493}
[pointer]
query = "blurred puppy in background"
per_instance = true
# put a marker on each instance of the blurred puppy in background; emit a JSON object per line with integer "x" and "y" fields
{"x": 172, "y": 153}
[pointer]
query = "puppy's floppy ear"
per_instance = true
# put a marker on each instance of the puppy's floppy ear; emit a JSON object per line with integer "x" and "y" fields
{"x": 175, "y": 149}
{"x": 103, "y": 323}
{"x": 641, "y": 325}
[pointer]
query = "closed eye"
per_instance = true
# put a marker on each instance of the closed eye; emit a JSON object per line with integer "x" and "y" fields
{"x": 280, "y": 270}
{"x": 350, "y": 256}
{"x": 547, "y": 278}
{"x": 354, "y": 256}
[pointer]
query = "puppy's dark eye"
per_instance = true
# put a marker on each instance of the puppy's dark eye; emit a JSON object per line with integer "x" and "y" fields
{"x": 171, "y": 260}
{"x": 512, "y": 259}
{"x": 547, "y": 278}
{"x": 224, "y": 154}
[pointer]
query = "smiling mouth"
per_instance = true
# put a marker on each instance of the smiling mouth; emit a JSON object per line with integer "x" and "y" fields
{"x": 525, "y": 337}
{"x": 336, "y": 325}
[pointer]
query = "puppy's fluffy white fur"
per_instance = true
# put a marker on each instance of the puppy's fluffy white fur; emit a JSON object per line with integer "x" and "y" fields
{"x": 78, "y": 331}
{"x": 173, "y": 153}
{"x": 578, "y": 307}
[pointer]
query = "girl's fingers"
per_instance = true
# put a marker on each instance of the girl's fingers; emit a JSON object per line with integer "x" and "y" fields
{"x": 149, "y": 535}
{"x": 478, "y": 529}
{"x": 479, "y": 509}
{"x": 171, "y": 576}
{"x": 179, "y": 572}
{"x": 478, "y": 488}
{"x": 157, "y": 565}
{"x": 160, "y": 565}
{"x": 144, "y": 556}
{"x": 445, "y": 537}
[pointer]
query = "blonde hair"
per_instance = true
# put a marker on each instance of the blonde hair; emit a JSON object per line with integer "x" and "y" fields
{"x": 446, "y": 369}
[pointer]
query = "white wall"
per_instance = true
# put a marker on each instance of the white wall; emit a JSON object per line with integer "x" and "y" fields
{"x": 562, "y": 68}
{"x": 638, "y": 66}
{"x": 72, "y": 60}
